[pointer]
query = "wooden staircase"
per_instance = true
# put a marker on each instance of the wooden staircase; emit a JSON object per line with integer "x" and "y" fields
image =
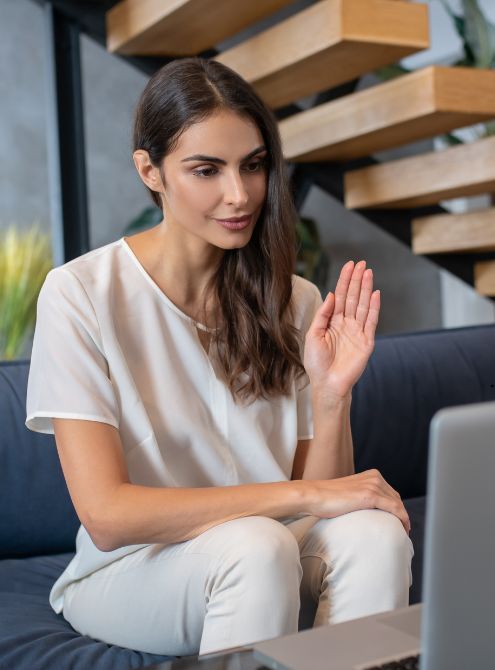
{"x": 321, "y": 47}
{"x": 330, "y": 42}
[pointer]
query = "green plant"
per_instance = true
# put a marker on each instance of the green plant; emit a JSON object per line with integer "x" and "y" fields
{"x": 477, "y": 35}
{"x": 25, "y": 259}
{"x": 312, "y": 261}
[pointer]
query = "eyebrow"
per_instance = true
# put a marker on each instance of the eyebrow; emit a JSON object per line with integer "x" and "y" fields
{"x": 212, "y": 159}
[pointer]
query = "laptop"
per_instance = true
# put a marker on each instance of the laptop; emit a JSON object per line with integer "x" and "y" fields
{"x": 454, "y": 627}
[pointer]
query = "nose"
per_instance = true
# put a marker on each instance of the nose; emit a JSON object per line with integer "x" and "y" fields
{"x": 235, "y": 191}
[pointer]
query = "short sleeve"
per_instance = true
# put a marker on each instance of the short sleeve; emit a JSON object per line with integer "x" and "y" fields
{"x": 68, "y": 374}
{"x": 304, "y": 404}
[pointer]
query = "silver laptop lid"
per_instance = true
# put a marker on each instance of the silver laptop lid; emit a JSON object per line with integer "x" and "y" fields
{"x": 458, "y": 623}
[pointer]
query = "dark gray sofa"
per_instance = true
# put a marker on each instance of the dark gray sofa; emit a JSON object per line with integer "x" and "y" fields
{"x": 408, "y": 379}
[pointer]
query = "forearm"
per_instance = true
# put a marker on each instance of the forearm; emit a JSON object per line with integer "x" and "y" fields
{"x": 330, "y": 454}
{"x": 146, "y": 515}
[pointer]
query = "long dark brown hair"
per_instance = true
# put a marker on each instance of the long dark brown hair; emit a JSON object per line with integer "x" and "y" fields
{"x": 252, "y": 285}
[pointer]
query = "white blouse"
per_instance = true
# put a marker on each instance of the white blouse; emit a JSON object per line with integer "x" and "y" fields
{"x": 110, "y": 346}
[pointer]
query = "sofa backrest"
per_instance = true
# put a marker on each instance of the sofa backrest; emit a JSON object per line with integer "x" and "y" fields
{"x": 409, "y": 377}
{"x": 36, "y": 514}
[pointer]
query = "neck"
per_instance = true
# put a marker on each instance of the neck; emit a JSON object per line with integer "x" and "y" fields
{"x": 184, "y": 264}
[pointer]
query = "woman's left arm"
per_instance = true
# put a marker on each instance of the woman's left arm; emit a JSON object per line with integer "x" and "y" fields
{"x": 337, "y": 348}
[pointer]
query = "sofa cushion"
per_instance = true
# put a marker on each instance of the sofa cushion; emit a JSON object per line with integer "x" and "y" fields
{"x": 33, "y": 636}
{"x": 36, "y": 513}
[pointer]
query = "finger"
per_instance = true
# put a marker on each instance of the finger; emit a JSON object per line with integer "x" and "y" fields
{"x": 394, "y": 492}
{"x": 403, "y": 516}
{"x": 396, "y": 508}
{"x": 365, "y": 297}
{"x": 387, "y": 488}
{"x": 320, "y": 321}
{"x": 354, "y": 290}
{"x": 391, "y": 491}
{"x": 373, "y": 314}
{"x": 342, "y": 286}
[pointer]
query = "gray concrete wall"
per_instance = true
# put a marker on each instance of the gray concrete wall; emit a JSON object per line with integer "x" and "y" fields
{"x": 116, "y": 193}
{"x": 23, "y": 150}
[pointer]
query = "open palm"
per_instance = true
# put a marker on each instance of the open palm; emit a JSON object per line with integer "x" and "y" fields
{"x": 341, "y": 337}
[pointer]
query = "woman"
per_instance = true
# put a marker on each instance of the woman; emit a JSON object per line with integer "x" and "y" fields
{"x": 182, "y": 371}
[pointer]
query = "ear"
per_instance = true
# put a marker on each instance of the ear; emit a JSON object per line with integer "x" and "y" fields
{"x": 147, "y": 171}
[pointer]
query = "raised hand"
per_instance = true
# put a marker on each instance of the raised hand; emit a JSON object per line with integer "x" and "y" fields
{"x": 341, "y": 337}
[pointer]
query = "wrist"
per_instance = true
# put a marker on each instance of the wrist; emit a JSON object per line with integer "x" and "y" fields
{"x": 304, "y": 493}
{"x": 326, "y": 399}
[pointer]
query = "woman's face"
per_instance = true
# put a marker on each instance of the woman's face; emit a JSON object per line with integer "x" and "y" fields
{"x": 216, "y": 172}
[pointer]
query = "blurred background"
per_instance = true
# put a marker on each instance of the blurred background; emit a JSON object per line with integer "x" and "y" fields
{"x": 68, "y": 183}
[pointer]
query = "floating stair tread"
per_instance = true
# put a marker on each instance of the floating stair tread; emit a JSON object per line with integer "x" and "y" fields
{"x": 454, "y": 233}
{"x": 425, "y": 179}
{"x": 422, "y": 104}
{"x": 179, "y": 27}
{"x": 484, "y": 277}
{"x": 326, "y": 44}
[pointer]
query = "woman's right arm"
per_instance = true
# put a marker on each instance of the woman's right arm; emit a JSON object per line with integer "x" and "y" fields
{"x": 117, "y": 513}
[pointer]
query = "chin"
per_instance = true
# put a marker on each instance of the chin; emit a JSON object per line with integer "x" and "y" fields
{"x": 238, "y": 243}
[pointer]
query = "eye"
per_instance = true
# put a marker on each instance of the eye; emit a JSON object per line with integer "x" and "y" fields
{"x": 205, "y": 172}
{"x": 256, "y": 166}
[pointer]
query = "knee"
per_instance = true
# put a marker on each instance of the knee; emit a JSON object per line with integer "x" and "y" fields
{"x": 369, "y": 532}
{"x": 263, "y": 541}
{"x": 386, "y": 532}
{"x": 384, "y": 549}
{"x": 258, "y": 552}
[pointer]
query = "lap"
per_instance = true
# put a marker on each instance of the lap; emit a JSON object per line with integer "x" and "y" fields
{"x": 145, "y": 593}
{"x": 156, "y": 598}
{"x": 158, "y": 585}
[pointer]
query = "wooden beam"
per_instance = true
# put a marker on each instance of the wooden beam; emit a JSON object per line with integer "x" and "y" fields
{"x": 454, "y": 233}
{"x": 422, "y": 104}
{"x": 484, "y": 277}
{"x": 330, "y": 42}
{"x": 426, "y": 179}
{"x": 180, "y": 27}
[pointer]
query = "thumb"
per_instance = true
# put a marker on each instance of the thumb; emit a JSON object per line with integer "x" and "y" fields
{"x": 323, "y": 315}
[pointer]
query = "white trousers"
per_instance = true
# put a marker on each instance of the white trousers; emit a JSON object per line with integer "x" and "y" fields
{"x": 245, "y": 580}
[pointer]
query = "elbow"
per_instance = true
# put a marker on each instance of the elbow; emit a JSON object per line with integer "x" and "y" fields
{"x": 101, "y": 535}
{"x": 103, "y": 520}
{"x": 104, "y": 542}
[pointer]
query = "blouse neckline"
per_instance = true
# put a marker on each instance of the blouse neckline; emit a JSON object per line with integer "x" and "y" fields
{"x": 158, "y": 290}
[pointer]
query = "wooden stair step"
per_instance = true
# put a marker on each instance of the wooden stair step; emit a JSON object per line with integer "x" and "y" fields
{"x": 464, "y": 170}
{"x": 454, "y": 233}
{"x": 484, "y": 277}
{"x": 180, "y": 27}
{"x": 326, "y": 44}
{"x": 422, "y": 104}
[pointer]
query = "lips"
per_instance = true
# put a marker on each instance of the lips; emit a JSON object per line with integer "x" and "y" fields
{"x": 236, "y": 223}
{"x": 236, "y": 219}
